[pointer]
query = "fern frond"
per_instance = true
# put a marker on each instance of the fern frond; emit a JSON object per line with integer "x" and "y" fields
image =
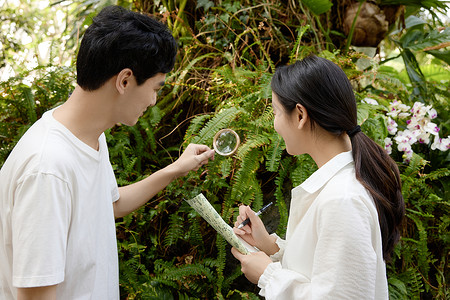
{"x": 231, "y": 277}
{"x": 128, "y": 168}
{"x": 245, "y": 178}
{"x": 244, "y": 295}
{"x": 390, "y": 81}
{"x": 416, "y": 164}
{"x": 186, "y": 69}
{"x": 219, "y": 121}
{"x": 273, "y": 155}
{"x": 265, "y": 120}
{"x": 221, "y": 244}
{"x": 253, "y": 142}
{"x": 30, "y": 104}
{"x": 397, "y": 289}
{"x": 422, "y": 243}
{"x": 280, "y": 196}
{"x": 175, "y": 230}
{"x": 149, "y": 131}
{"x": 195, "y": 126}
{"x": 439, "y": 173}
{"x": 293, "y": 56}
{"x": 303, "y": 168}
{"x": 195, "y": 235}
{"x": 225, "y": 167}
{"x": 181, "y": 272}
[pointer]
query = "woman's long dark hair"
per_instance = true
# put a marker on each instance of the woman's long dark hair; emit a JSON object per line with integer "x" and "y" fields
{"x": 325, "y": 91}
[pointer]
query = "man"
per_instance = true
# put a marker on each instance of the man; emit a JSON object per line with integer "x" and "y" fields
{"x": 58, "y": 194}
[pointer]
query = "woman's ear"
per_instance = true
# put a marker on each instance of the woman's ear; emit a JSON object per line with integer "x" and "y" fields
{"x": 301, "y": 115}
{"x": 123, "y": 80}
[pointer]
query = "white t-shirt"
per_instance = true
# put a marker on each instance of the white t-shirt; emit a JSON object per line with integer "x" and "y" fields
{"x": 56, "y": 215}
{"x": 333, "y": 246}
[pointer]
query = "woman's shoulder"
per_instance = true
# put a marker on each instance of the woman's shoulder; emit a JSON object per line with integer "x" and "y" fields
{"x": 344, "y": 189}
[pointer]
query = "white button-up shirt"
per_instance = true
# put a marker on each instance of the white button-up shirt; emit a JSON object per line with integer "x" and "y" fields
{"x": 333, "y": 244}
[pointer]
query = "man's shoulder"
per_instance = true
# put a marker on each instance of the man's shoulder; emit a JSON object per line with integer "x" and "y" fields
{"x": 41, "y": 149}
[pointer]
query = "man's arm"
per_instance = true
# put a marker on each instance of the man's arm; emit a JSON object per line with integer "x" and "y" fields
{"x": 137, "y": 194}
{"x": 37, "y": 293}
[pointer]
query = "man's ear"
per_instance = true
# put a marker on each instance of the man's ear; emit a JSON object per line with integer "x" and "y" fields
{"x": 301, "y": 115}
{"x": 123, "y": 80}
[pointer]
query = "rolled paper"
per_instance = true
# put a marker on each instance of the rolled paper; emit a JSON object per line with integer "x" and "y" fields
{"x": 202, "y": 206}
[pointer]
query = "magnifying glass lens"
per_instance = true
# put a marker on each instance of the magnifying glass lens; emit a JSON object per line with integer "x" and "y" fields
{"x": 226, "y": 142}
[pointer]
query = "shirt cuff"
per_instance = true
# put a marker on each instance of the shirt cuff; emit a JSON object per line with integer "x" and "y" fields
{"x": 266, "y": 277}
{"x": 282, "y": 245}
{"x": 37, "y": 281}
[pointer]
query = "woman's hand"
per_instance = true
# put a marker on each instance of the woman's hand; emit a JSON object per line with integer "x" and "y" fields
{"x": 252, "y": 264}
{"x": 255, "y": 232}
{"x": 192, "y": 159}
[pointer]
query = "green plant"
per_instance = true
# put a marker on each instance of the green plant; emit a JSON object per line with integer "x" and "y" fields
{"x": 24, "y": 98}
{"x": 222, "y": 79}
{"x": 421, "y": 258}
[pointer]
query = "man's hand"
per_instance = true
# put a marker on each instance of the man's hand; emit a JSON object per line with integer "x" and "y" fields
{"x": 137, "y": 194}
{"x": 192, "y": 159}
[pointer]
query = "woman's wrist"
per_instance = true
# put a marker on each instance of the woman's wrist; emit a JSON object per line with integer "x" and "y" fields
{"x": 269, "y": 246}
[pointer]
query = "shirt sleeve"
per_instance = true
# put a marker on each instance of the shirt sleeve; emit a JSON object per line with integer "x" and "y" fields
{"x": 115, "y": 195}
{"x": 345, "y": 261}
{"x": 281, "y": 244}
{"x": 40, "y": 224}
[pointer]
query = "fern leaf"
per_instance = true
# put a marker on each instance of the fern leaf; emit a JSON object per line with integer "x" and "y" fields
{"x": 243, "y": 182}
{"x": 253, "y": 142}
{"x": 218, "y": 122}
{"x": 274, "y": 153}
{"x": 195, "y": 235}
{"x": 186, "y": 69}
{"x": 304, "y": 167}
{"x": 422, "y": 244}
{"x": 279, "y": 195}
{"x": 440, "y": 173}
{"x": 221, "y": 259}
{"x": 30, "y": 104}
{"x": 293, "y": 56}
{"x": 175, "y": 230}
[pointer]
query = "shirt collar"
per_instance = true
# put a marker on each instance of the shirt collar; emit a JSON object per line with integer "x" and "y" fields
{"x": 325, "y": 173}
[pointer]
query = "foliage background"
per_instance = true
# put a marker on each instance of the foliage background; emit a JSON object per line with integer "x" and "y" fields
{"x": 228, "y": 51}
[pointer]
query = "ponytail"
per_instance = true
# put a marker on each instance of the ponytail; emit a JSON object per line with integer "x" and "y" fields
{"x": 379, "y": 174}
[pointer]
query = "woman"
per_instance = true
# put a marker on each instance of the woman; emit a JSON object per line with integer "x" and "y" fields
{"x": 344, "y": 220}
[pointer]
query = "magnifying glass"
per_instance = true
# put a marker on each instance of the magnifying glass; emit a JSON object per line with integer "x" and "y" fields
{"x": 226, "y": 142}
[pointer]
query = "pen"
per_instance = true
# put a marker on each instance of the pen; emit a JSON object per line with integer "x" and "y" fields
{"x": 246, "y": 221}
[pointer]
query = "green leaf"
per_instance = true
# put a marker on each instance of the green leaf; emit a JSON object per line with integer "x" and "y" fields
{"x": 274, "y": 153}
{"x": 31, "y": 111}
{"x": 318, "y": 7}
{"x": 412, "y": 21}
{"x": 442, "y": 55}
{"x": 363, "y": 112}
{"x": 397, "y": 289}
{"x": 435, "y": 72}
{"x": 433, "y": 38}
{"x": 186, "y": 69}
{"x": 221, "y": 120}
{"x": 206, "y": 4}
{"x": 414, "y": 73}
{"x": 418, "y": 3}
{"x": 411, "y": 36}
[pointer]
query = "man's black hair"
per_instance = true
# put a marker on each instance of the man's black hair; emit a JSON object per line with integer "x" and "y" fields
{"x": 119, "y": 39}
